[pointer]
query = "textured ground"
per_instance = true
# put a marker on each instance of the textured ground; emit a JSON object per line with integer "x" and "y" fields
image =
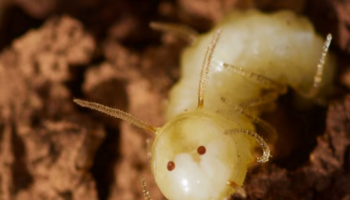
{"x": 104, "y": 51}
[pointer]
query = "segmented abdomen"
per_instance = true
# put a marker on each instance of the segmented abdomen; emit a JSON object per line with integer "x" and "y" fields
{"x": 281, "y": 46}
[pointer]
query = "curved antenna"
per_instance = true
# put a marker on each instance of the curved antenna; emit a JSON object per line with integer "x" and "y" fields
{"x": 145, "y": 192}
{"x": 313, "y": 91}
{"x": 118, "y": 114}
{"x": 205, "y": 68}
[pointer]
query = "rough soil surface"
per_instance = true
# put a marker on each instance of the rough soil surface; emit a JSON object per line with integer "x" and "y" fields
{"x": 104, "y": 51}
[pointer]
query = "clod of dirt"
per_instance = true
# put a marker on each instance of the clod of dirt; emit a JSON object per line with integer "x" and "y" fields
{"x": 45, "y": 152}
{"x": 325, "y": 176}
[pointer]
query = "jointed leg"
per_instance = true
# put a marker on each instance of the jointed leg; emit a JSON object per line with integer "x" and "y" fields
{"x": 263, "y": 100}
{"x": 181, "y": 30}
{"x": 266, "y": 150}
{"x": 239, "y": 189}
{"x": 258, "y": 121}
{"x": 264, "y": 81}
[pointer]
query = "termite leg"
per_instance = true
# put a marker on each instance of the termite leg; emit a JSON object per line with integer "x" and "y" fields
{"x": 313, "y": 91}
{"x": 145, "y": 192}
{"x": 180, "y": 30}
{"x": 266, "y": 150}
{"x": 270, "y": 130}
{"x": 263, "y": 100}
{"x": 264, "y": 81}
{"x": 238, "y": 190}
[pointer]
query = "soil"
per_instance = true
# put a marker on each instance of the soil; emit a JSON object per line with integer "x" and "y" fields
{"x": 104, "y": 51}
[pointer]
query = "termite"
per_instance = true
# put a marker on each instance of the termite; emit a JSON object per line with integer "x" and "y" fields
{"x": 204, "y": 153}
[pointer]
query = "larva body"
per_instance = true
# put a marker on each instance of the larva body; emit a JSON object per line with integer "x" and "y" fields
{"x": 204, "y": 153}
{"x": 281, "y": 46}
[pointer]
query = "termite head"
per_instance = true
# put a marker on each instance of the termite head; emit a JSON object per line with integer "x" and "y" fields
{"x": 195, "y": 158}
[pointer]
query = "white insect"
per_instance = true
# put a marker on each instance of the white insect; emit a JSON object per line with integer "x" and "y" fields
{"x": 204, "y": 153}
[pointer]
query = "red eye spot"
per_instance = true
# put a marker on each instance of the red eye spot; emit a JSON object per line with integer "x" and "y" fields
{"x": 201, "y": 150}
{"x": 171, "y": 166}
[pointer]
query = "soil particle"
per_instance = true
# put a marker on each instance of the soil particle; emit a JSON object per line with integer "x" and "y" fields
{"x": 325, "y": 176}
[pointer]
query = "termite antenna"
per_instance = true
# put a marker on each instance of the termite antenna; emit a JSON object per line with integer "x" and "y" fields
{"x": 118, "y": 114}
{"x": 205, "y": 68}
{"x": 145, "y": 192}
{"x": 319, "y": 71}
{"x": 320, "y": 65}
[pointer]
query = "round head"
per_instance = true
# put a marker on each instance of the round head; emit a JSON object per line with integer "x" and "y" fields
{"x": 194, "y": 158}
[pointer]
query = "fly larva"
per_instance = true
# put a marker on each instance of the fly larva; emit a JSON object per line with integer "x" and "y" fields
{"x": 204, "y": 153}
